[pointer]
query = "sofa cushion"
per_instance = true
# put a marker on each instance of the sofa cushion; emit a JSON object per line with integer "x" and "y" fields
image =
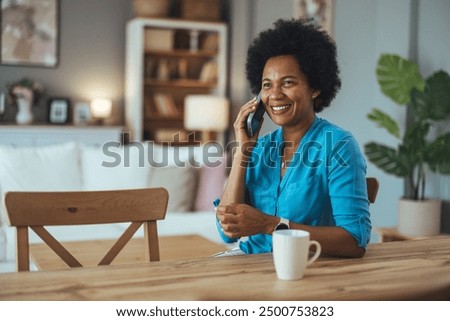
{"x": 163, "y": 156}
{"x": 211, "y": 181}
{"x": 3, "y": 246}
{"x": 180, "y": 182}
{"x": 45, "y": 168}
{"x": 116, "y": 167}
{"x": 175, "y": 169}
{"x": 193, "y": 175}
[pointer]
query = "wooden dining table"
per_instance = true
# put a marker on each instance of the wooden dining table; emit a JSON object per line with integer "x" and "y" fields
{"x": 406, "y": 270}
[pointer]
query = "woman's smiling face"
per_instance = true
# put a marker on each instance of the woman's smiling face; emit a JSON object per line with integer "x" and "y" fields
{"x": 286, "y": 93}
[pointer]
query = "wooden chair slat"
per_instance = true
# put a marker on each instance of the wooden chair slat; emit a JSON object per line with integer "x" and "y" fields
{"x": 120, "y": 243}
{"x": 57, "y": 247}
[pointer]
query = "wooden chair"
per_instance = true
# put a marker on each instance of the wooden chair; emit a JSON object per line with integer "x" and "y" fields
{"x": 372, "y": 188}
{"x": 38, "y": 209}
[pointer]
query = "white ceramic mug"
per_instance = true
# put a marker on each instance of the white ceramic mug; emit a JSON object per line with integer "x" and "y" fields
{"x": 291, "y": 251}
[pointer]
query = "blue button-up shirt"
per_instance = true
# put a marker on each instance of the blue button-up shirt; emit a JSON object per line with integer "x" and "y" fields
{"x": 323, "y": 185}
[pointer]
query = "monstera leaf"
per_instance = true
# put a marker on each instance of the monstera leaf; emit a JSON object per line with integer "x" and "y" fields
{"x": 388, "y": 159}
{"x": 414, "y": 141}
{"x": 397, "y": 77}
{"x": 385, "y": 121}
{"x": 434, "y": 102}
{"x": 438, "y": 154}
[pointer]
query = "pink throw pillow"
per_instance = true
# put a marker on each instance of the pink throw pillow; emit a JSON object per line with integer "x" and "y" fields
{"x": 210, "y": 185}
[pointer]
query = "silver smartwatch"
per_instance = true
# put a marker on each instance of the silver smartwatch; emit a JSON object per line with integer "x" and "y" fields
{"x": 283, "y": 224}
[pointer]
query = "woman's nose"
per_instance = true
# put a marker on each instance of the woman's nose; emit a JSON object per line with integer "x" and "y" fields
{"x": 275, "y": 93}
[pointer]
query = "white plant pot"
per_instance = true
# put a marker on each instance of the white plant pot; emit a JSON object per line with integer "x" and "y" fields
{"x": 419, "y": 218}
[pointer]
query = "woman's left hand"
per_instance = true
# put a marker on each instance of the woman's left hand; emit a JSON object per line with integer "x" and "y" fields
{"x": 238, "y": 220}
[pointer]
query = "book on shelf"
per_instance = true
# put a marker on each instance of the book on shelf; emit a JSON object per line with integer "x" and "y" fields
{"x": 150, "y": 68}
{"x": 165, "y": 105}
{"x": 209, "y": 71}
{"x": 210, "y": 42}
{"x": 158, "y": 39}
{"x": 149, "y": 107}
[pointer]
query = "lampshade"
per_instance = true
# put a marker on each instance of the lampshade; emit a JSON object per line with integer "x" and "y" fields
{"x": 101, "y": 108}
{"x": 206, "y": 112}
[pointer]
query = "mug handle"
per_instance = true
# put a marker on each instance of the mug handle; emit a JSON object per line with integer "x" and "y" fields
{"x": 318, "y": 250}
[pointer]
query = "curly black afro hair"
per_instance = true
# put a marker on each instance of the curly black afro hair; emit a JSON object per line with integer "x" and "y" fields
{"x": 313, "y": 48}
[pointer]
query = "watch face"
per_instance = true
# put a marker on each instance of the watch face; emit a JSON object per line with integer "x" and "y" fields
{"x": 282, "y": 226}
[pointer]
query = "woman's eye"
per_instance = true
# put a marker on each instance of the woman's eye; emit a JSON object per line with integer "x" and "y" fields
{"x": 266, "y": 85}
{"x": 287, "y": 82}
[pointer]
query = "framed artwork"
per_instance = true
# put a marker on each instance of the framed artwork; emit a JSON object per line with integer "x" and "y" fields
{"x": 320, "y": 11}
{"x": 81, "y": 113}
{"x": 29, "y": 34}
{"x": 58, "y": 110}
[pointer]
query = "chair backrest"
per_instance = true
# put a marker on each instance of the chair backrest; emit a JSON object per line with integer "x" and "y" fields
{"x": 372, "y": 188}
{"x": 38, "y": 209}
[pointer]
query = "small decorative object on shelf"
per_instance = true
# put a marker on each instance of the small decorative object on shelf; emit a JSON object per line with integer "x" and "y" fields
{"x": 201, "y": 10}
{"x": 24, "y": 93}
{"x": 2, "y": 105}
{"x": 24, "y": 114}
{"x": 152, "y": 8}
{"x": 81, "y": 113}
{"x": 159, "y": 39}
{"x": 58, "y": 111}
{"x": 101, "y": 109}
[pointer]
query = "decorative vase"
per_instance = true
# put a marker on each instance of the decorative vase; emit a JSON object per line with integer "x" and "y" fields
{"x": 419, "y": 218}
{"x": 24, "y": 115}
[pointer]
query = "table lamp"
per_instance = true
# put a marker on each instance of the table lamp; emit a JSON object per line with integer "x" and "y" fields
{"x": 101, "y": 109}
{"x": 207, "y": 113}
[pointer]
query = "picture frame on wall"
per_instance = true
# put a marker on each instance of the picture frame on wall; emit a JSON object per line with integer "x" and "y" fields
{"x": 29, "y": 34}
{"x": 320, "y": 11}
{"x": 58, "y": 111}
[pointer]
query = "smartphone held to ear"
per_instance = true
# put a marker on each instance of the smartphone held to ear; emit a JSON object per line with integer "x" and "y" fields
{"x": 254, "y": 118}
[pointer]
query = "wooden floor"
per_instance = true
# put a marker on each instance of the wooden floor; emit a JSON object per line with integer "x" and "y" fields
{"x": 89, "y": 253}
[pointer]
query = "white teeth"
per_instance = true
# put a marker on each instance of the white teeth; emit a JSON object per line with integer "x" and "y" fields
{"x": 278, "y": 108}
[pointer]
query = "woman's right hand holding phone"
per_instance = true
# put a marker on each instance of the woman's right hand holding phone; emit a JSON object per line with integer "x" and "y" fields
{"x": 245, "y": 142}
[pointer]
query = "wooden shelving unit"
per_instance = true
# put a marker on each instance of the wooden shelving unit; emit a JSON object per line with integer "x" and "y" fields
{"x": 166, "y": 60}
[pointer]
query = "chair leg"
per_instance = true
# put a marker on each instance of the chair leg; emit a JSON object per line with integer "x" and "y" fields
{"x": 22, "y": 249}
{"x": 151, "y": 241}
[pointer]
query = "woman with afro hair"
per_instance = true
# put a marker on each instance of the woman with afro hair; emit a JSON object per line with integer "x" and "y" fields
{"x": 309, "y": 174}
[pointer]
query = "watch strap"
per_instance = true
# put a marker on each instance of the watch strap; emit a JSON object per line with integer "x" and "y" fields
{"x": 283, "y": 224}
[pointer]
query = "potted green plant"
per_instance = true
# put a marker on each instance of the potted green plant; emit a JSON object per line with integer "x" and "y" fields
{"x": 418, "y": 151}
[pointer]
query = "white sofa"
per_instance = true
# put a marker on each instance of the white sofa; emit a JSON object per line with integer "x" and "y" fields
{"x": 71, "y": 166}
